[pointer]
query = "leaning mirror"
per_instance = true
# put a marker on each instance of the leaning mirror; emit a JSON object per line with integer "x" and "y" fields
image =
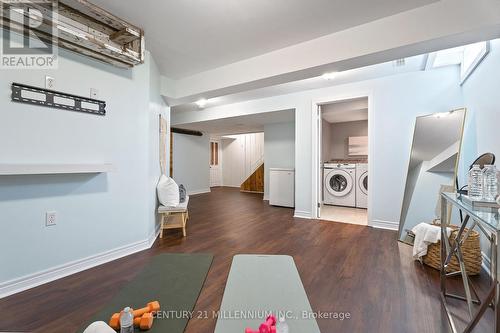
{"x": 433, "y": 164}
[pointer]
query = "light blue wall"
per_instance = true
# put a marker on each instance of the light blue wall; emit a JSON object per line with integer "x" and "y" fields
{"x": 481, "y": 95}
{"x": 482, "y": 100}
{"x": 95, "y": 213}
{"x": 279, "y": 149}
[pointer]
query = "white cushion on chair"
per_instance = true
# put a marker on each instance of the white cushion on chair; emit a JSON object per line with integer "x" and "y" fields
{"x": 182, "y": 207}
{"x": 168, "y": 192}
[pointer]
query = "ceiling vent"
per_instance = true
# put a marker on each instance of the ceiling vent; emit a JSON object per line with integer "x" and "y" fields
{"x": 399, "y": 62}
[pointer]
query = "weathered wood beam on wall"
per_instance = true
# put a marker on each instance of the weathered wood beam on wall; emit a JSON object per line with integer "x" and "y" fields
{"x": 185, "y": 131}
{"x": 83, "y": 27}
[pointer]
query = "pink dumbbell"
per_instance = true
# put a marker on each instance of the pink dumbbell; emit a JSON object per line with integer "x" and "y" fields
{"x": 269, "y": 326}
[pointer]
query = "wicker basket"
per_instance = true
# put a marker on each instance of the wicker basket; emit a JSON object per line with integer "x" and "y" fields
{"x": 471, "y": 251}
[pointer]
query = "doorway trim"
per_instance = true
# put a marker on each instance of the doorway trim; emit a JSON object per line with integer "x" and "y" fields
{"x": 316, "y": 164}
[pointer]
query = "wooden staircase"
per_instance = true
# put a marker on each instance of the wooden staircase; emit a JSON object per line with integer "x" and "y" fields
{"x": 254, "y": 183}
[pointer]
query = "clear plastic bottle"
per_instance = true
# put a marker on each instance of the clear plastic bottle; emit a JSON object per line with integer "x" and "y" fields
{"x": 282, "y": 326}
{"x": 476, "y": 182}
{"x": 490, "y": 190}
{"x": 127, "y": 321}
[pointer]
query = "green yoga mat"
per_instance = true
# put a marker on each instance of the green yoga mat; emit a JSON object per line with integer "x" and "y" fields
{"x": 175, "y": 280}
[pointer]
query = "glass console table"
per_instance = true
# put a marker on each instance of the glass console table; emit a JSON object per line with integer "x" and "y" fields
{"x": 487, "y": 222}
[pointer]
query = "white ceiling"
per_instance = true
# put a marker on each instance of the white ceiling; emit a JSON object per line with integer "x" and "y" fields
{"x": 191, "y": 36}
{"x": 344, "y": 111}
{"x": 412, "y": 64}
{"x": 243, "y": 124}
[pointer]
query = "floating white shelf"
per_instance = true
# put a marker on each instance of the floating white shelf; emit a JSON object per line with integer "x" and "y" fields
{"x": 50, "y": 169}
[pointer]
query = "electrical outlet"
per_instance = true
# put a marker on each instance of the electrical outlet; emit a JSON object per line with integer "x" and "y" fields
{"x": 50, "y": 82}
{"x": 50, "y": 219}
{"x": 94, "y": 93}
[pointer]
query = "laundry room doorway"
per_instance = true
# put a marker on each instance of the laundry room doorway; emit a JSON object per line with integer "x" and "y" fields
{"x": 341, "y": 160}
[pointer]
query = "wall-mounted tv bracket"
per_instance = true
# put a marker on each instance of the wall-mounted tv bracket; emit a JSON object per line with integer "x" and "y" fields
{"x": 23, "y": 93}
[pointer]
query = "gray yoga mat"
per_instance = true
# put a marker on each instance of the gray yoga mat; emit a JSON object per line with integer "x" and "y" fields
{"x": 258, "y": 284}
{"x": 175, "y": 280}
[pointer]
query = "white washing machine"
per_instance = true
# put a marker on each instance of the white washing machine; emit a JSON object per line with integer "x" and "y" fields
{"x": 362, "y": 185}
{"x": 339, "y": 184}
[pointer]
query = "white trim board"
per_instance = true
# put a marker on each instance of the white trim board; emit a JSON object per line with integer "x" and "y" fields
{"x": 36, "y": 279}
{"x": 48, "y": 169}
{"x": 200, "y": 191}
{"x": 388, "y": 225}
{"x": 302, "y": 214}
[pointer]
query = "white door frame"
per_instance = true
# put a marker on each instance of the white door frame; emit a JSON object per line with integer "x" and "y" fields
{"x": 316, "y": 149}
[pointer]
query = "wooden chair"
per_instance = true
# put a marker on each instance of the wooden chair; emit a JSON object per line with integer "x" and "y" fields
{"x": 174, "y": 217}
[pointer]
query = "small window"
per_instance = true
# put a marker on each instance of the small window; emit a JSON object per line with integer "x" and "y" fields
{"x": 214, "y": 153}
{"x": 472, "y": 56}
{"x": 468, "y": 57}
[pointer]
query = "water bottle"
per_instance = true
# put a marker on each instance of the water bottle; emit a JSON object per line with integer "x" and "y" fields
{"x": 127, "y": 321}
{"x": 282, "y": 326}
{"x": 490, "y": 189}
{"x": 476, "y": 182}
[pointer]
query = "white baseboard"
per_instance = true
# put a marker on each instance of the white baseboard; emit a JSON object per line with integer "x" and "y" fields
{"x": 200, "y": 191}
{"x": 265, "y": 198}
{"x": 388, "y": 225}
{"x": 302, "y": 214}
{"x": 36, "y": 279}
{"x": 486, "y": 263}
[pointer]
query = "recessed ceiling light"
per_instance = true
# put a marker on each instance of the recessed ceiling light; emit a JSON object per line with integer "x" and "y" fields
{"x": 329, "y": 76}
{"x": 202, "y": 103}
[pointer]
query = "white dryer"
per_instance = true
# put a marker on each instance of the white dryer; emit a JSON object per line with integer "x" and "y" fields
{"x": 362, "y": 185}
{"x": 339, "y": 184}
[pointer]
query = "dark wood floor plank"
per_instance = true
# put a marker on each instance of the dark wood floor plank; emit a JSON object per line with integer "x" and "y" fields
{"x": 344, "y": 268}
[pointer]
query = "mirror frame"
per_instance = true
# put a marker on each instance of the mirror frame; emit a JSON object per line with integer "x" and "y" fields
{"x": 457, "y": 162}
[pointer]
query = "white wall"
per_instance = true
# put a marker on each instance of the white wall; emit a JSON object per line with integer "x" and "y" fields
{"x": 191, "y": 161}
{"x": 241, "y": 155}
{"x": 395, "y": 101}
{"x": 279, "y": 149}
{"x": 96, "y": 214}
{"x": 339, "y": 135}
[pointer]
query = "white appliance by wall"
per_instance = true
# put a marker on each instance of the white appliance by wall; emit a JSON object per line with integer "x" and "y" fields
{"x": 362, "y": 185}
{"x": 279, "y": 149}
{"x": 282, "y": 187}
{"x": 339, "y": 184}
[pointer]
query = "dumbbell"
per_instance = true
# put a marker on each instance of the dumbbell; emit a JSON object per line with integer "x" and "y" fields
{"x": 144, "y": 322}
{"x": 269, "y": 326}
{"x": 151, "y": 307}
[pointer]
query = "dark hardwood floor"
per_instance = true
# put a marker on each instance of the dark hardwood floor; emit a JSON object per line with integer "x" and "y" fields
{"x": 344, "y": 268}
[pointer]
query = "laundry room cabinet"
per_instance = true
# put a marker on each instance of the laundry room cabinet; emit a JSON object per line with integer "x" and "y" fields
{"x": 282, "y": 187}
